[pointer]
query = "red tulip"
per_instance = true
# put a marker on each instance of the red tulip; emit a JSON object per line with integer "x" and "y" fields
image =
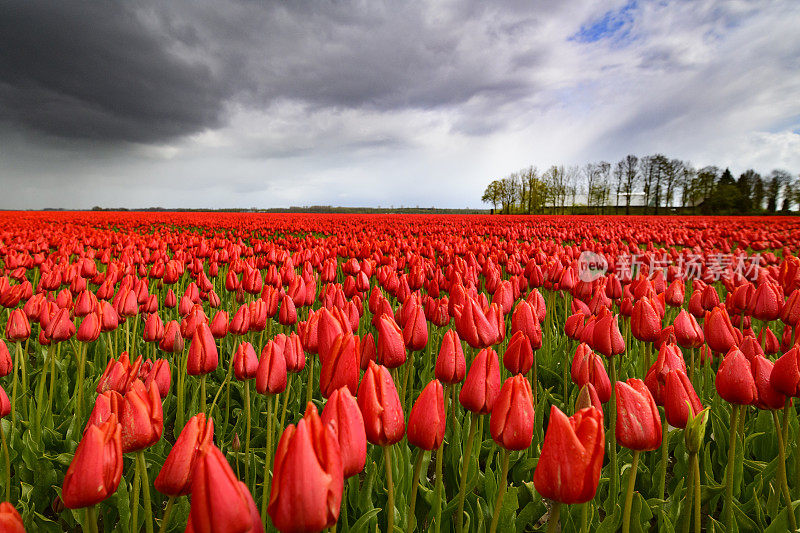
{"x": 525, "y": 319}
{"x": 766, "y": 303}
{"x": 172, "y": 341}
{"x": 785, "y": 376}
{"x": 220, "y": 504}
{"x": 638, "y": 422}
{"x": 473, "y": 326}
{"x": 734, "y": 381}
{"x": 606, "y": 337}
{"x": 219, "y": 325}
{"x": 294, "y": 354}
{"x": 245, "y": 362}
{"x": 719, "y": 331}
{"x": 341, "y": 413}
{"x": 587, "y": 367}
{"x": 340, "y": 366}
{"x": 482, "y": 385}
{"x": 569, "y": 466}
{"x": 391, "y": 349}
{"x": 380, "y": 406}
{"x": 645, "y": 321}
{"x": 96, "y": 468}
{"x": 271, "y": 374}
{"x": 669, "y": 358}
{"x": 688, "y": 332}
{"x": 203, "y": 357}
{"x": 307, "y": 484}
{"x": 175, "y": 477}
{"x": 451, "y": 366}
{"x": 415, "y": 329}
{"x": 18, "y": 328}
{"x": 426, "y": 423}
{"x": 511, "y": 421}
{"x": 679, "y": 399}
{"x": 10, "y": 520}
{"x": 142, "y": 418}
{"x": 108, "y": 403}
{"x": 161, "y": 376}
{"x": 768, "y": 396}
{"x": 518, "y": 357}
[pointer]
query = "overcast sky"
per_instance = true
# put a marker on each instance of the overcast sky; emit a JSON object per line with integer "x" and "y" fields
{"x": 268, "y": 104}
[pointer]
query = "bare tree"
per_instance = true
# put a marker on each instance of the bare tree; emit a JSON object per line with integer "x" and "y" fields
{"x": 619, "y": 177}
{"x": 630, "y": 166}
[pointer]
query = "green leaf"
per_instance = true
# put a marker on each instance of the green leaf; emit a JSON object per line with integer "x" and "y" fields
{"x": 363, "y": 522}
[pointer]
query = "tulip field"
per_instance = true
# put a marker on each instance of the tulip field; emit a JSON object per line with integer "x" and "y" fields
{"x": 231, "y": 372}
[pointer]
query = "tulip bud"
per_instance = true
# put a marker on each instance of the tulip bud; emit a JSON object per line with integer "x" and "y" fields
{"x": 587, "y": 367}
{"x": 688, "y": 332}
{"x": 203, "y": 357}
{"x": 719, "y": 331}
{"x": 518, "y": 357}
{"x": 680, "y": 399}
{"x": 307, "y": 483}
{"x": 342, "y": 414}
{"x": 10, "y": 520}
{"x": 219, "y": 325}
{"x": 219, "y": 501}
{"x": 587, "y": 397}
{"x": 525, "y": 319}
{"x": 96, "y": 468}
{"x": 108, "y": 403}
{"x": 380, "y": 406}
{"x": 511, "y": 421}
{"x": 245, "y": 362}
{"x": 450, "y": 364}
{"x": 768, "y": 396}
{"x": 391, "y": 349}
{"x": 695, "y": 431}
{"x": 606, "y": 337}
{"x": 638, "y": 422}
{"x": 172, "y": 341}
{"x": 426, "y": 423}
{"x": 160, "y": 375}
{"x": 271, "y": 374}
{"x": 175, "y": 477}
{"x": 645, "y": 321}
{"x": 568, "y": 470}
{"x": 734, "y": 381}
{"x": 669, "y": 358}
{"x": 482, "y": 385}
{"x": 415, "y": 329}
{"x": 142, "y": 417}
{"x": 294, "y": 354}
{"x": 18, "y": 328}
{"x": 340, "y": 366}
{"x": 785, "y": 375}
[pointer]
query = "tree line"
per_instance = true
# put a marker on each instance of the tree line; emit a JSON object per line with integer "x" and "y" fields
{"x": 654, "y": 184}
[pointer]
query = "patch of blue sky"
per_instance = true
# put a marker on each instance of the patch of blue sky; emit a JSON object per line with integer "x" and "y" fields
{"x": 614, "y": 25}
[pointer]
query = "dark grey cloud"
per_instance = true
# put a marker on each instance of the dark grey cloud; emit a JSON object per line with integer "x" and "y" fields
{"x": 149, "y": 72}
{"x": 96, "y": 71}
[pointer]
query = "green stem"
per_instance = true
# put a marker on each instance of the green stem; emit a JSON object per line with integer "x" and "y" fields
{"x": 612, "y": 427}
{"x": 502, "y": 492}
{"x": 91, "y": 519}
{"x": 203, "y": 393}
{"x": 310, "y": 380}
{"x": 247, "y": 429}
{"x": 782, "y": 472}
{"x": 689, "y": 497}
{"x": 148, "y": 509}
{"x": 167, "y": 511}
{"x": 728, "y": 509}
{"x": 585, "y": 517}
{"x": 412, "y": 503}
{"x": 626, "y": 513}
{"x": 662, "y": 473}
{"x": 7, "y": 460}
{"x": 697, "y": 496}
{"x": 437, "y": 506}
{"x": 286, "y": 401}
{"x": 267, "y": 461}
{"x": 409, "y": 366}
{"x": 135, "y": 507}
{"x": 691, "y": 365}
{"x": 465, "y": 461}
{"x": 387, "y": 462}
{"x": 14, "y": 384}
{"x": 555, "y": 513}
{"x": 79, "y": 385}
